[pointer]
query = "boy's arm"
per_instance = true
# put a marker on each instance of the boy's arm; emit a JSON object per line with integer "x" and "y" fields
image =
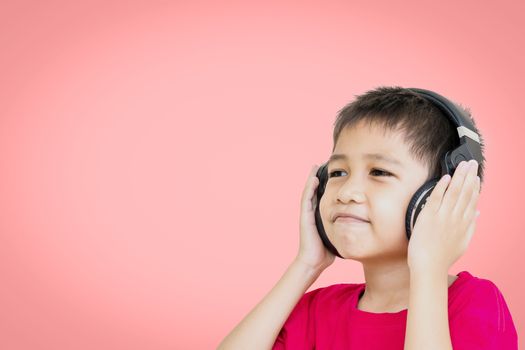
{"x": 441, "y": 235}
{"x": 260, "y": 328}
{"x": 427, "y": 319}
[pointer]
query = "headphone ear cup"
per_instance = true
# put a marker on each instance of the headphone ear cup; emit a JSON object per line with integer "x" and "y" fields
{"x": 417, "y": 203}
{"x": 322, "y": 174}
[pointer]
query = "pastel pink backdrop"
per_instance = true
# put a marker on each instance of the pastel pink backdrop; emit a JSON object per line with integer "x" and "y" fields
{"x": 153, "y": 154}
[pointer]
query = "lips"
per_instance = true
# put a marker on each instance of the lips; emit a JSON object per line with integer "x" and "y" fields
{"x": 349, "y": 220}
{"x": 349, "y": 216}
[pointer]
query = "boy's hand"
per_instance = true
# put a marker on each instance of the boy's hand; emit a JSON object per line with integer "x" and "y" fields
{"x": 446, "y": 224}
{"x": 312, "y": 251}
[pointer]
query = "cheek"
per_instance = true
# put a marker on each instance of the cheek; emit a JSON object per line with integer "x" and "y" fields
{"x": 390, "y": 213}
{"x": 388, "y": 207}
{"x": 324, "y": 210}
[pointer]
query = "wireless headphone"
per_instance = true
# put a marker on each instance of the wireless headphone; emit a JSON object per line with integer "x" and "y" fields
{"x": 469, "y": 148}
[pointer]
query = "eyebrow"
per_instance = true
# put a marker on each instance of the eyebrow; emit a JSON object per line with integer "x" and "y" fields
{"x": 371, "y": 156}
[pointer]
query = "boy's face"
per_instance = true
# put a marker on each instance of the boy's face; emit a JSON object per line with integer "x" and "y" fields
{"x": 360, "y": 186}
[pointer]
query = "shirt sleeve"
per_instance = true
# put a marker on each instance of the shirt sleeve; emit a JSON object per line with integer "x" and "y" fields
{"x": 298, "y": 330}
{"x": 484, "y": 321}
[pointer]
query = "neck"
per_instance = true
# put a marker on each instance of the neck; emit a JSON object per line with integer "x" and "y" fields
{"x": 387, "y": 285}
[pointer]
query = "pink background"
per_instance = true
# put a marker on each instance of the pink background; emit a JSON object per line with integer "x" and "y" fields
{"x": 153, "y": 154}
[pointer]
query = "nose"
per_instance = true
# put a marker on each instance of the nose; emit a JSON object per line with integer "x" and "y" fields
{"x": 351, "y": 190}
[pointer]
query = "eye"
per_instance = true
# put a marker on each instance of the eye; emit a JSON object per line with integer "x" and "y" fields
{"x": 386, "y": 173}
{"x": 333, "y": 172}
{"x": 383, "y": 172}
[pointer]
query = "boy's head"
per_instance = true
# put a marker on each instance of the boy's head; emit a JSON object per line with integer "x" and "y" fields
{"x": 399, "y": 124}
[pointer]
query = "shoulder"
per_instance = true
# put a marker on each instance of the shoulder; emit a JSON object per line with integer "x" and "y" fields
{"x": 479, "y": 313}
{"x": 477, "y": 294}
{"x": 323, "y": 298}
{"x": 332, "y": 293}
{"x": 299, "y": 328}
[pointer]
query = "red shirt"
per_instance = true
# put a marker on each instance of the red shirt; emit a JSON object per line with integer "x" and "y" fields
{"x": 328, "y": 318}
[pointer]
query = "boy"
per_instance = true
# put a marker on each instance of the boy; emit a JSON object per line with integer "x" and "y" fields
{"x": 410, "y": 135}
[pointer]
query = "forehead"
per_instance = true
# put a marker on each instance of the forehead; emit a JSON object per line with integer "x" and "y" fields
{"x": 373, "y": 136}
{"x": 371, "y": 142}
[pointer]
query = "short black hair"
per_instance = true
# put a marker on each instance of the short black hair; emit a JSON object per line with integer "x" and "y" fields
{"x": 426, "y": 130}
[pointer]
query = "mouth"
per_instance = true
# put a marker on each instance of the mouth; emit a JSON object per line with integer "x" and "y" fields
{"x": 349, "y": 220}
{"x": 348, "y": 217}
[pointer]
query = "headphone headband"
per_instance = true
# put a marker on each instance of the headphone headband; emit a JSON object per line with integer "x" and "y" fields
{"x": 469, "y": 142}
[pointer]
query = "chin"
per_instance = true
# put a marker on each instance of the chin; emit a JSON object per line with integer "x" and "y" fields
{"x": 349, "y": 249}
{"x": 348, "y": 255}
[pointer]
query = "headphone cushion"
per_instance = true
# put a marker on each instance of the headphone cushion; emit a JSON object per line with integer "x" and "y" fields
{"x": 418, "y": 199}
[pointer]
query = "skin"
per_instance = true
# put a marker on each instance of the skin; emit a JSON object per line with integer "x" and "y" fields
{"x": 360, "y": 186}
{"x": 441, "y": 235}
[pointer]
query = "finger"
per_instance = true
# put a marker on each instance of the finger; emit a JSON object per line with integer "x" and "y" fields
{"x": 309, "y": 189}
{"x": 454, "y": 189}
{"x": 469, "y": 186}
{"x": 471, "y": 210}
{"x": 315, "y": 185}
{"x": 434, "y": 200}
{"x": 470, "y": 232}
